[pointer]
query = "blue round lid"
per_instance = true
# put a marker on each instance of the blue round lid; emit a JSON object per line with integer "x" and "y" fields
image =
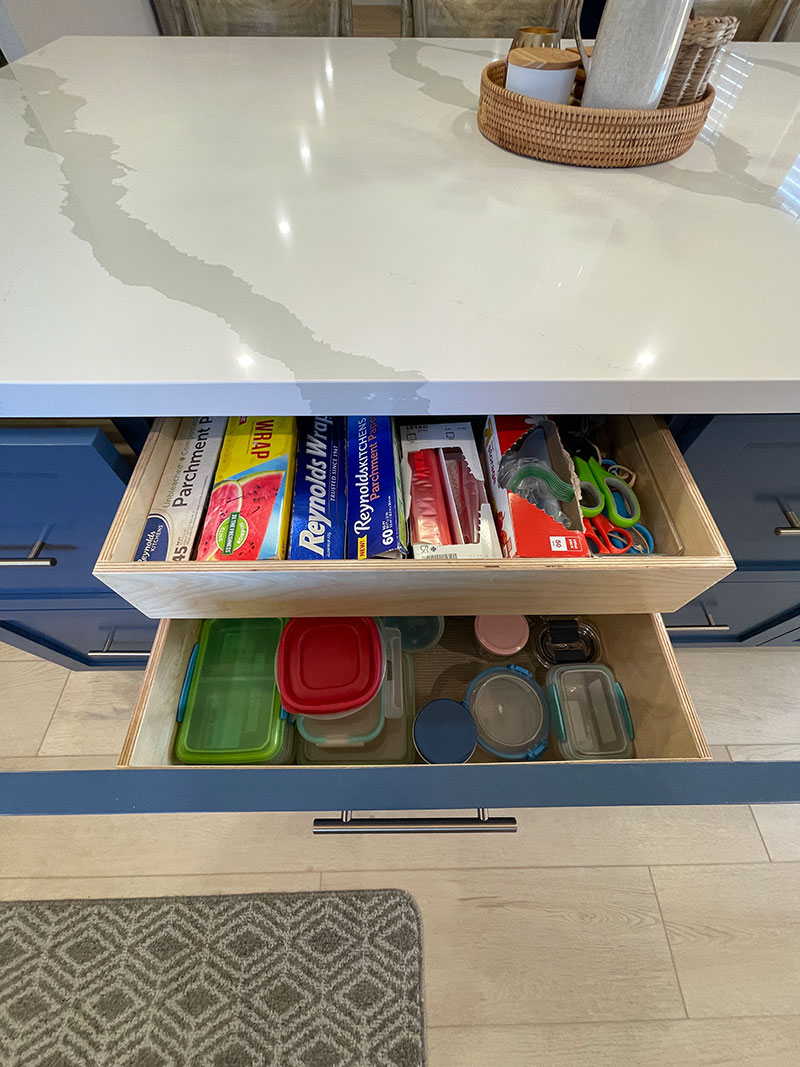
{"x": 445, "y": 732}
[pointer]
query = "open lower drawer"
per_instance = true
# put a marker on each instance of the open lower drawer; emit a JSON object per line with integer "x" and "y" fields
{"x": 636, "y": 647}
{"x": 694, "y": 558}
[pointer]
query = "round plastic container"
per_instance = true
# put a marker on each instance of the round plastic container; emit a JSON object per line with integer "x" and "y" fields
{"x": 418, "y": 632}
{"x": 510, "y": 713}
{"x": 557, "y": 641}
{"x": 445, "y": 732}
{"x": 501, "y": 635}
{"x": 329, "y": 666}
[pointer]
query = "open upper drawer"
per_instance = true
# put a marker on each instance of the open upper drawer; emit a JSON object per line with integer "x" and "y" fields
{"x": 695, "y": 558}
{"x": 636, "y": 647}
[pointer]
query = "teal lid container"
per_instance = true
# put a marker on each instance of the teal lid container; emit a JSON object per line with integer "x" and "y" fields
{"x": 393, "y": 745}
{"x": 230, "y": 708}
{"x": 418, "y": 632}
{"x": 510, "y": 712}
{"x": 364, "y": 724}
{"x": 590, "y": 714}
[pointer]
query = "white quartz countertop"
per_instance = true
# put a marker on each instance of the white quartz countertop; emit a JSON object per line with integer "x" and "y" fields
{"x": 212, "y": 226}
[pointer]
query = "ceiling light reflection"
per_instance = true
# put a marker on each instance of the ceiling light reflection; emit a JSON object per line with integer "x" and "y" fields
{"x": 305, "y": 152}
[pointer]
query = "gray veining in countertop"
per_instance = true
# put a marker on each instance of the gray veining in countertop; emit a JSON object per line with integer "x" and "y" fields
{"x": 136, "y": 254}
{"x": 306, "y": 224}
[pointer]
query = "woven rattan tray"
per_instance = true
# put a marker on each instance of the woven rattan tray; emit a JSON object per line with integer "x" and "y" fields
{"x": 585, "y": 137}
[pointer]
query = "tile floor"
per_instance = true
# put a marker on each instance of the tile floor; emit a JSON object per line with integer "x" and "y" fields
{"x": 652, "y": 936}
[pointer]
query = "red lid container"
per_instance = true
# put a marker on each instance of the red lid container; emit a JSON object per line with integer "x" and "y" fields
{"x": 329, "y": 666}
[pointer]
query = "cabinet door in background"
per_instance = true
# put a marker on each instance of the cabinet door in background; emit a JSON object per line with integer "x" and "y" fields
{"x": 748, "y": 470}
{"x": 103, "y": 635}
{"x": 61, "y": 487}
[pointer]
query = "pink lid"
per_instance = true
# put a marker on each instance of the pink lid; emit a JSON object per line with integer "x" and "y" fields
{"x": 502, "y": 635}
{"x": 329, "y": 666}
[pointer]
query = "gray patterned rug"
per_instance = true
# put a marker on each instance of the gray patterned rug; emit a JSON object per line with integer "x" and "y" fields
{"x": 276, "y": 980}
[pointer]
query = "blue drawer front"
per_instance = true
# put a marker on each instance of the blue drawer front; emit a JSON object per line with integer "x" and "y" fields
{"x": 93, "y": 638}
{"x": 207, "y": 789}
{"x": 746, "y": 607}
{"x": 748, "y": 470}
{"x": 787, "y": 639}
{"x": 63, "y": 487}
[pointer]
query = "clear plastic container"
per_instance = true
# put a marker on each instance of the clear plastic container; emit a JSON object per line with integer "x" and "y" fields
{"x": 364, "y": 725}
{"x": 229, "y": 709}
{"x": 419, "y": 632}
{"x": 392, "y": 745}
{"x": 565, "y": 640}
{"x": 331, "y": 666}
{"x": 590, "y": 714}
{"x": 501, "y": 636}
{"x": 510, "y": 713}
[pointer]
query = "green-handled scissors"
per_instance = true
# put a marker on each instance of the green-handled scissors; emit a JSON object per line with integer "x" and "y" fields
{"x": 597, "y": 494}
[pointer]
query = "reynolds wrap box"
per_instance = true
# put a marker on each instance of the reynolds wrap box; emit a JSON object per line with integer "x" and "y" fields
{"x": 510, "y": 444}
{"x": 180, "y": 499}
{"x": 248, "y": 512}
{"x": 319, "y": 507}
{"x": 376, "y": 521}
{"x": 468, "y": 519}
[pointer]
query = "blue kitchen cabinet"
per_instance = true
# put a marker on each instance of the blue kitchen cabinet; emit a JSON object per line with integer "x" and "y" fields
{"x": 748, "y": 469}
{"x": 59, "y": 490}
{"x": 740, "y": 610}
{"x": 99, "y": 636}
{"x": 785, "y": 633}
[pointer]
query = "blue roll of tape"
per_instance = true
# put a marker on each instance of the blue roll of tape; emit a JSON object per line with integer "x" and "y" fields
{"x": 445, "y": 732}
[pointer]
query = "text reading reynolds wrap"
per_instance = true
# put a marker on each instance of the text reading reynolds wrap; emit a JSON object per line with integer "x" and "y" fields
{"x": 319, "y": 511}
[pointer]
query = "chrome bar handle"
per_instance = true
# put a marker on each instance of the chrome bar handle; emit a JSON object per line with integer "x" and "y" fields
{"x": 793, "y": 529}
{"x": 709, "y": 627}
{"x": 482, "y": 823}
{"x": 33, "y": 558}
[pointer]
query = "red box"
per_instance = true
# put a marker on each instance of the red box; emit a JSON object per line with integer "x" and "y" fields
{"x": 525, "y": 529}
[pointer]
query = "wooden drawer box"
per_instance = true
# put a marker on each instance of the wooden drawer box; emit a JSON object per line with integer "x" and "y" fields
{"x": 671, "y": 503}
{"x": 637, "y": 648}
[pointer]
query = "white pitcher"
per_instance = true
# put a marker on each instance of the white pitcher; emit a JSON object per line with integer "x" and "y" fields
{"x": 637, "y": 43}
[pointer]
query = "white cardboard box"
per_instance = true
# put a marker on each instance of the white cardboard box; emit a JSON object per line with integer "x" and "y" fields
{"x": 420, "y": 435}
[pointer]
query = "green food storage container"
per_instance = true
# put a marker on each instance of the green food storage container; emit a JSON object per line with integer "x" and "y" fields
{"x": 230, "y": 708}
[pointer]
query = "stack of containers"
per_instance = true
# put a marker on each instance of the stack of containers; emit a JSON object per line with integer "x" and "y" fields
{"x": 345, "y": 682}
{"x": 230, "y": 708}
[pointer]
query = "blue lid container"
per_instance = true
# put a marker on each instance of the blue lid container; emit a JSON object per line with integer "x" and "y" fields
{"x": 510, "y": 713}
{"x": 445, "y": 732}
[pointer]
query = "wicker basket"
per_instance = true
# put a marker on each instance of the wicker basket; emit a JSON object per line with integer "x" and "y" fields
{"x": 702, "y": 39}
{"x": 584, "y": 137}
